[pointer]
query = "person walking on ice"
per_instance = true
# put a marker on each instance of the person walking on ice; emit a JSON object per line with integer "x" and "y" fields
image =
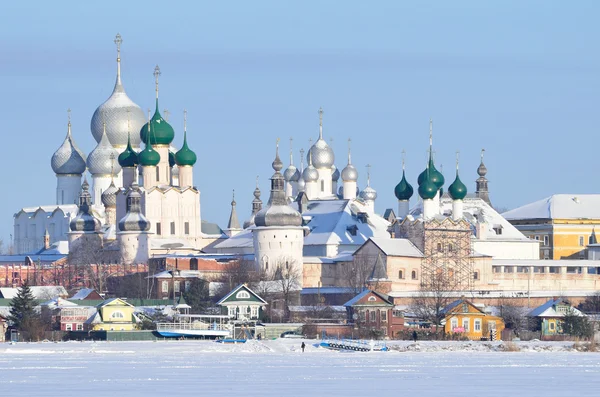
{"x": 302, "y": 346}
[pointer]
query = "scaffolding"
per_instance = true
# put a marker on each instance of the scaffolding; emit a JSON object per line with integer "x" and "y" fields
{"x": 447, "y": 263}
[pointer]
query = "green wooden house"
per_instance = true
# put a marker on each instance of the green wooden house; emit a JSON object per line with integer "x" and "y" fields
{"x": 242, "y": 304}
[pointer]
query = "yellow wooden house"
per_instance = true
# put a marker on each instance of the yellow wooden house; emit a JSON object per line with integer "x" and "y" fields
{"x": 114, "y": 315}
{"x": 564, "y": 224}
{"x": 464, "y": 318}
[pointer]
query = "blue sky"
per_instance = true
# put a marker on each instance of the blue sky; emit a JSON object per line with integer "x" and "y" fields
{"x": 519, "y": 79}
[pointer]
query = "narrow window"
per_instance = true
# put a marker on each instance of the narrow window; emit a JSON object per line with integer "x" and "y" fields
{"x": 176, "y": 286}
{"x": 546, "y": 241}
{"x": 450, "y": 248}
{"x": 172, "y": 227}
{"x": 400, "y": 274}
{"x": 439, "y": 247}
{"x": 165, "y": 286}
{"x": 186, "y": 226}
{"x": 581, "y": 241}
{"x": 194, "y": 264}
{"x": 157, "y": 174}
{"x": 414, "y": 275}
{"x": 158, "y": 231}
{"x": 322, "y": 185}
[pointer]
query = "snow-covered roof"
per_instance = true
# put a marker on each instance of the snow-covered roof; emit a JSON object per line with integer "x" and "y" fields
{"x": 347, "y": 222}
{"x": 240, "y": 240}
{"x": 59, "y": 303}
{"x": 559, "y": 206}
{"x": 169, "y": 243}
{"x": 478, "y": 212}
{"x": 304, "y": 309}
{"x": 39, "y": 292}
{"x": 397, "y": 247}
{"x": 19, "y": 259}
{"x": 236, "y": 289}
{"x": 56, "y": 248}
{"x": 82, "y": 294}
{"x": 548, "y": 309}
{"x": 180, "y": 274}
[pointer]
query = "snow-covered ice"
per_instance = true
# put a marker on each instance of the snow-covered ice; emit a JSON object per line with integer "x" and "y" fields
{"x": 278, "y": 367}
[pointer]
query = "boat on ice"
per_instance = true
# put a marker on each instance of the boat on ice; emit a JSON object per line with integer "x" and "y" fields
{"x": 196, "y": 325}
{"x": 353, "y": 345}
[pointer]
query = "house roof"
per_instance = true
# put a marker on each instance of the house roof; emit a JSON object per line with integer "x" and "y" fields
{"x": 82, "y": 294}
{"x": 236, "y": 289}
{"x": 118, "y": 301}
{"x": 456, "y": 303}
{"x": 548, "y": 309}
{"x": 366, "y": 292}
{"x": 559, "y": 206}
{"x": 397, "y": 247}
{"x": 39, "y": 292}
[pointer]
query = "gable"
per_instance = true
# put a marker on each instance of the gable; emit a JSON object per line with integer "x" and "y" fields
{"x": 241, "y": 294}
{"x": 462, "y": 306}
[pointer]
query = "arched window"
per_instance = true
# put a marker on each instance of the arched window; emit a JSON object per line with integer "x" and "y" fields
{"x": 400, "y": 274}
{"x": 242, "y": 295}
{"x": 413, "y": 275}
{"x": 439, "y": 247}
{"x": 194, "y": 264}
{"x": 265, "y": 261}
{"x": 117, "y": 315}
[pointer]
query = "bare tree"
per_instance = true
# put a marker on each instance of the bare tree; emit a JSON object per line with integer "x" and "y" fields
{"x": 235, "y": 273}
{"x": 355, "y": 274}
{"x": 436, "y": 292}
{"x": 88, "y": 266}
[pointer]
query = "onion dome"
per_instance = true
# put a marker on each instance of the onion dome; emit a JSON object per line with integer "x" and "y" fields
{"x": 368, "y": 194}
{"x": 457, "y": 190}
{"x": 161, "y": 130}
{"x": 134, "y": 220}
{"x": 256, "y": 206}
{"x": 403, "y": 189}
{"x": 427, "y": 189}
{"x": 185, "y": 156}
{"x": 85, "y": 221}
{"x": 102, "y": 160}
{"x": 335, "y": 174}
{"x": 109, "y": 196}
{"x": 321, "y": 152}
{"x": 434, "y": 175}
{"x": 68, "y": 159}
{"x": 149, "y": 157}
{"x": 482, "y": 169}
{"x": 291, "y": 173}
{"x": 129, "y": 157}
{"x": 277, "y": 212}
{"x": 118, "y": 112}
{"x": 310, "y": 173}
{"x": 349, "y": 173}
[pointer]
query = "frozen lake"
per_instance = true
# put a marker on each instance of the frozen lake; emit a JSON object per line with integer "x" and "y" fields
{"x": 275, "y": 368}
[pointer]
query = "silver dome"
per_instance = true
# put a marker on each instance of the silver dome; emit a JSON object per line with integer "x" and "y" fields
{"x": 322, "y": 154}
{"x": 68, "y": 159}
{"x": 310, "y": 174}
{"x": 368, "y": 194}
{"x": 85, "y": 221}
{"x": 134, "y": 220}
{"x": 335, "y": 175}
{"x": 289, "y": 173}
{"x": 109, "y": 196}
{"x": 116, "y": 111}
{"x": 103, "y": 159}
{"x": 277, "y": 212}
{"x": 349, "y": 174}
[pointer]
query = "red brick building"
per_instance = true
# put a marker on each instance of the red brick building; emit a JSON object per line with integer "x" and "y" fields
{"x": 372, "y": 314}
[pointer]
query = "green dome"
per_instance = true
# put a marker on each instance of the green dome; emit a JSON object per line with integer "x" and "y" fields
{"x": 129, "y": 158}
{"x": 149, "y": 156}
{"x": 171, "y": 159}
{"x": 457, "y": 189}
{"x": 434, "y": 175}
{"x": 185, "y": 156}
{"x": 162, "y": 132}
{"x": 427, "y": 189}
{"x": 403, "y": 190}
